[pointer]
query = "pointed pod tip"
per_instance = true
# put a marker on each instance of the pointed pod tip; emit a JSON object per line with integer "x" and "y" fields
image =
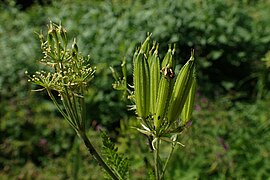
{"x": 112, "y": 69}
{"x": 145, "y": 44}
{"x": 192, "y": 55}
{"x": 149, "y": 35}
{"x": 124, "y": 62}
{"x": 174, "y": 48}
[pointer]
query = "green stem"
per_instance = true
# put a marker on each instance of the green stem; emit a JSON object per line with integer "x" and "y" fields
{"x": 67, "y": 117}
{"x": 69, "y": 109}
{"x": 156, "y": 159}
{"x": 66, "y": 98}
{"x": 83, "y": 111}
{"x": 168, "y": 159}
{"x": 75, "y": 109}
{"x": 95, "y": 154}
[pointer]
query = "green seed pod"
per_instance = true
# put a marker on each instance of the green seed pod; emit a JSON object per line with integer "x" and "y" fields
{"x": 189, "y": 104}
{"x": 163, "y": 95}
{"x": 162, "y": 101}
{"x": 53, "y": 33}
{"x": 145, "y": 46}
{"x": 63, "y": 35}
{"x": 74, "y": 48}
{"x": 167, "y": 58}
{"x": 115, "y": 74}
{"x": 154, "y": 79}
{"x": 124, "y": 68}
{"x": 142, "y": 81}
{"x": 50, "y": 39}
{"x": 181, "y": 89}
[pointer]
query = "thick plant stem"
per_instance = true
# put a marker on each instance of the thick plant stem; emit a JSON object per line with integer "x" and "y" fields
{"x": 95, "y": 154}
{"x": 156, "y": 159}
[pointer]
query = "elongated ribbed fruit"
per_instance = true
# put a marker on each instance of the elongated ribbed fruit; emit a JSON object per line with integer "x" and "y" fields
{"x": 163, "y": 95}
{"x": 189, "y": 104}
{"x": 154, "y": 63}
{"x": 142, "y": 81}
{"x": 181, "y": 89}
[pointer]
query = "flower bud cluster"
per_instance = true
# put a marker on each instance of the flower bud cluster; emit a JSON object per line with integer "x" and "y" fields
{"x": 69, "y": 69}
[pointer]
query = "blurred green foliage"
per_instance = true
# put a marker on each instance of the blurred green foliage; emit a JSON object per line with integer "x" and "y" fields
{"x": 227, "y": 140}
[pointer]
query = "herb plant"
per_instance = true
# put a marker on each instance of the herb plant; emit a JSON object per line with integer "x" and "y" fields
{"x": 163, "y": 100}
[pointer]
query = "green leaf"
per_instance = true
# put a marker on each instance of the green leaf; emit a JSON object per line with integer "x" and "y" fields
{"x": 118, "y": 162}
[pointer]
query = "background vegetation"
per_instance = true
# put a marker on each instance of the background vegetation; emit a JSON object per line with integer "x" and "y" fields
{"x": 229, "y": 136}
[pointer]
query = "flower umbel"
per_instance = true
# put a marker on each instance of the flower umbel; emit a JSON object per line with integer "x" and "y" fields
{"x": 68, "y": 73}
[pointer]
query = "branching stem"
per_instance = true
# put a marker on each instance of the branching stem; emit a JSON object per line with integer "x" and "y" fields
{"x": 95, "y": 154}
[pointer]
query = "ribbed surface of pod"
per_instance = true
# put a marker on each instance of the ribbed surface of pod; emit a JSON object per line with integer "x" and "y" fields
{"x": 154, "y": 80}
{"x": 162, "y": 101}
{"x": 164, "y": 88}
{"x": 142, "y": 81}
{"x": 189, "y": 104}
{"x": 181, "y": 89}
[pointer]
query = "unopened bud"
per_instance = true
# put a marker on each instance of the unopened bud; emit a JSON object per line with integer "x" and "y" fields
{"x": 63, "y": 34}
{"x": 189, "y": 104}
{"x": 74, "y": 48}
